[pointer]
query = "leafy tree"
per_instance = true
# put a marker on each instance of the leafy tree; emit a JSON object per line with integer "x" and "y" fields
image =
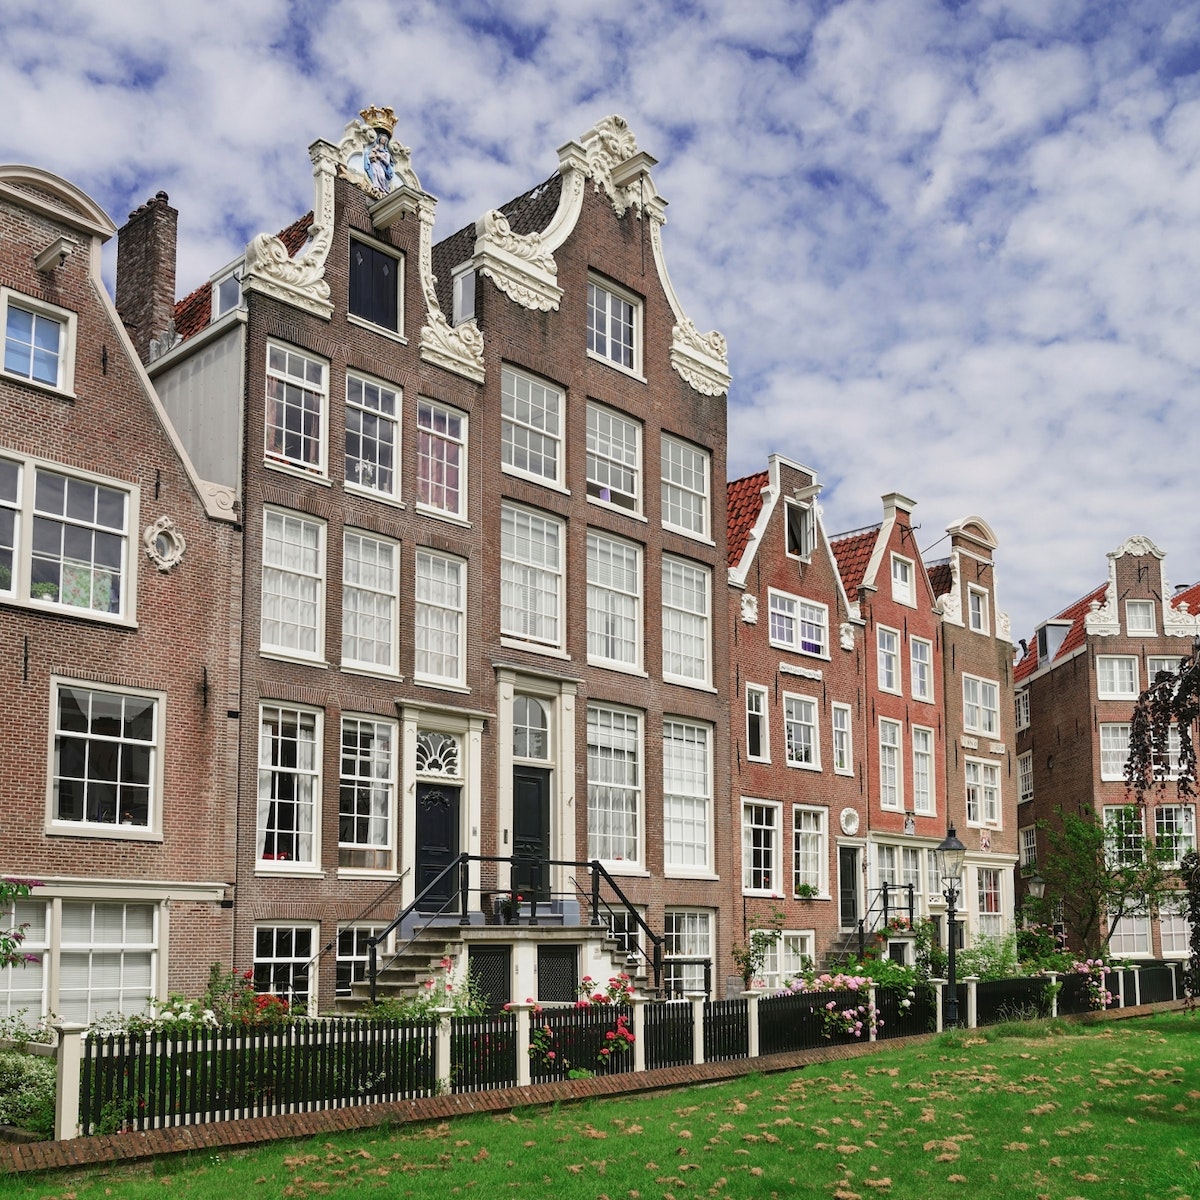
{"x": 1101, "y": 871}
{"x": 1170, "y": 705}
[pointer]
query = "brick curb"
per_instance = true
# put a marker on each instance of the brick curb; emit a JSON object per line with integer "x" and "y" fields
{"x": 228, "y": 1135}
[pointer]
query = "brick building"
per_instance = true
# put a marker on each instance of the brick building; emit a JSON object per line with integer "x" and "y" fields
{"x": 115, "y": 608}
{"x": 1076, "y": 684}
{"x": 474, "y": 619}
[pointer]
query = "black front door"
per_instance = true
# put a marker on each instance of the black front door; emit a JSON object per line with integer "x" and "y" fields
{"x": 437, "y": 844}
{"x": 848, "y": 878}
{"x": 531, "y": 832}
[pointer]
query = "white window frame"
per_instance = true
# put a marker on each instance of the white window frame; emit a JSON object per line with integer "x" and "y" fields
{"x": 131, "y": 752}
{"x": 1108, "y": 684}
{"x": 611, "y": 775}
{"x": 431, "y": 466}
{"x": 687, "y": 933}
{"x": 1114, "y": 750}
{"x": 686, "y": 622}
{"x": 597, "y": 312}
{"x": 131, "y": 962}
{"x": 989, "y": 894}
{"x": 271, "y": 777}
{"x": 789, "y": 616}
{"x": 924, "y": 765}
{"x": 604, "y": 455}
{"x": 904, "y": 581}
{"x": 982, "y": 792}
{"x": 843, "y": 738}
{"x": 531, "y": 577}
{"x": 687, "y": 797}
{"x": 372, "y": 771}
{"x": 758, "y": 711}
{"x": 358, "y": 959}
{"x": 67, "y": 321}
{"x": 815, "y": 849}
{"x": 920, "y": 667}
{"x": 438, "y": 612}
{"x": 802, "y": 713}
{"x": 1131, "y": 937}
{"x": 533, "y": 415}
{"x": 1125, "y": 843}
{"x": 685, "y": 473}
{"x": 1027, "y": 845}
{"x": 887, "y": 659}
{"x": 275, "y": 451}
{"x": 361, "y": 466}
{"x": 1021, "y": 705}
{"x": 398, "y": 257}
{"x": 276, "y": 571}
{"x": 378, "y": 583}
{"x": 1174, "y": 928}
{"x": 981, "y": 706}
{"x": 1025, "y": 777}
{"x": 1180, "y": 831}
{"x": 265, "y": 972}
{"x": 611, "y": 607}
{"x": 28, "y": 990}
{"x": 753, "y": 858}
{"x": 785, "y": 958}
{"x": 1161, "y": 662}
{"x": 805, "y": 527}
{"x": 220, "y": 300}
{"x": 463, "y": 303}
{"x": 979, "y": 616}
{"x": 1146, "y": 607}
{"x": 891, "y": 765}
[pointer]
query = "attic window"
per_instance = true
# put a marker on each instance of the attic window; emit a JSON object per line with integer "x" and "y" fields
{"x": 464, "y": 296}
{"x": 799, "y": 530}
{"x": 375, "y": 279}
{"x": 226, "y": 294}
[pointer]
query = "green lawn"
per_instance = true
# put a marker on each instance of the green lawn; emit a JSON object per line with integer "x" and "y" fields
{"x": 1077, "y": 1111}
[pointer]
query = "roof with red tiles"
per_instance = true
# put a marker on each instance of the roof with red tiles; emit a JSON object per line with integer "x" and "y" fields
{"x": 853, "y": 553}
{"x": 743, "y": 500}
{"x": 941, "y": 576}
{"x": 1189, "y": 596}
{"x": 1075, "y": 613}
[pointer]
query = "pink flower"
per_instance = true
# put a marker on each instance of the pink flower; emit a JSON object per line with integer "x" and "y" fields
{"x": 550, "y": 1054}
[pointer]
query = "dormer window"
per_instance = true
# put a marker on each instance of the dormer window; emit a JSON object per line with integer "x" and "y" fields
{"x": 376, "y": 276}
{"x": 1139, "y": 618}
{"x": 464, "y": 296}
{"x": 1050, "y": 638}
{"x": 977, "y": 609}
{"x": 903, "y": 590}
{"x": 799, "y": 531}
{"x": 226, "y": 294}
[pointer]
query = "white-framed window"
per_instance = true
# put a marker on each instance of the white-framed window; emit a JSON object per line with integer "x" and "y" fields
{"x": 624, "y": 929}
{"x": 686, "y": 644}
{"x": 1028, "y": 846}
{"x": 843, "y": 743}
{"x": 991, "y": 911}
{"x": 107, "y": 959}
{"x": 1157, "y": 664}
{"x": 1021, "y": 703}
{"x": 297, "y": 406}
{"x": 981, "y": 706}
{"x": 283, "y": 957}
{"x": 227, "y": 293}
{"x": 1174, "y": 831}
{"x": 799, "y": 530}
{"x": 687, "y": 796}
{"x": 1025, "y": 777}
{"x": 758, "y": 725}
{"x": 289, "y": 786}
{"x": 1139, "y": 618}
{"x": 372, "y": 436}
{"x": 924, "y": 799}
{"x": 614, "y": 319}
{"x": 904, "y": 589}
{"x": 1114, "y": 750}
{"x": 1126, "y": 835}
{"x": 891, "y": 777}
{"x": 797, "y": 624}
{"x": 1131, "y": 937}
{"x": 802, "y": 737}
{"x": 531, "y": 425}
{"x": 107, "y": 773}
{"x": 761, "y": 848}
{"x": 1116, "y": 677}
{"x": 810, "y": 853}
{"x": 463, "y": 302}
{"x": 687, "y": 934}
{"x": 376, "y": 292}
{"x": 1173, "y": 926}
{"x": 367, "y": 794}
{"x": 983, "y": 791}
{"x": 614, "y": 458}
{"x": 354, "y": 956}
{"x": 920, "y": 652}
{"x": 910, "y": 869}
{"x": 786, "y": 958}
{"x": 978, "y": 615}
{"x": 1169, "y": 769}
{"x": 614, "y": 600}
{"x": 440, "y": 615}
{"x": 614, "y": 777}
{"x": 530, "y": 729}
{"x": 370, "y": 597}
{"x": 886, "y": 860}
{"x": 887, "y": 658}
{"x": 685, "y": 487}
{"x": 10, "y": 524}
{"x": 293, "y": 584}
{"x": 39, "y": 341}
{"x": 441, "y": 458}
{"x": 531, "y": 573}
{"x": 25, "y": 988}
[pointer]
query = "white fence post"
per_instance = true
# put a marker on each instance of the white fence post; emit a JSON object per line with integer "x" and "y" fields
{"x": 524, "y": 1028}
{"x": 873, "y": 1035}
{"x": 70, "y": 1063}
{"x": 697, "y": 999}
{"x": 939, "y": 986}
{"x": 972, "y": 1001}
{"x": 443, "y": 1047}
{"x": 1137, "y": 984}
{"x": 1054, "y": 989}
{"x": 638, "y": 1004}
{"x": 751, "y": 1023}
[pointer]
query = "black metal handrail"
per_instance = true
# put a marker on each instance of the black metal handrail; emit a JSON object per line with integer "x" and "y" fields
{"x": 882, "y": 908}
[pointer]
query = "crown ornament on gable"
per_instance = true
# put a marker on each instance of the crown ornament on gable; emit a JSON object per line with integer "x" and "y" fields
{"x": 379, "y": 118}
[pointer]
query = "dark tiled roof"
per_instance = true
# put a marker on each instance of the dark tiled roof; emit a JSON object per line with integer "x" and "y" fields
{"x": 296, "y": 234}
{"x": 1075, "y": 613}
{"x": 743, "y": 499}
{"x": 941, "y": 576}
{"x": 853, "y": 552}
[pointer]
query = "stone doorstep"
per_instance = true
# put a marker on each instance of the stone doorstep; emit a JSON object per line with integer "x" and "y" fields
{"x": 181, "y": 1139}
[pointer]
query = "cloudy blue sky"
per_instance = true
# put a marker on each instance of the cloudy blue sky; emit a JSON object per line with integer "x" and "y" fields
{"x": 954, "y": 245}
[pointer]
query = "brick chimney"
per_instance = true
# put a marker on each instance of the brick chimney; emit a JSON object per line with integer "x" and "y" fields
{"x": 146, "y": 271}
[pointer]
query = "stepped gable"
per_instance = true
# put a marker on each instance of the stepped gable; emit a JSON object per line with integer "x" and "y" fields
{"x": 743, "y": 499}
{"x": 1075, "y": 613}
{"x": 853, "y": 552}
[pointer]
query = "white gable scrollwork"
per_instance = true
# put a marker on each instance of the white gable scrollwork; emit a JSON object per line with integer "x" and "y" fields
{"x": 519, "y": 264}
{"x": 951, "y": 601}
{"x": 457, "y": 348}
{"x": 607, "y": 145}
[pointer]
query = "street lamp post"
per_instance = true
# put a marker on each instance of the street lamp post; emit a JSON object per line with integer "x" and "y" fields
{"x": 950, "y": 855}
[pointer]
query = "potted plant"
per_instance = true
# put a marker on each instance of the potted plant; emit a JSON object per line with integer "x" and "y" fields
{"x": 509, "y": 907}
{"x": 806, "y": 891}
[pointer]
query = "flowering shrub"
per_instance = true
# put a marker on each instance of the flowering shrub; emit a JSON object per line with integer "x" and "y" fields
{"x": 11, "y": 954}
{"x": 617, "y": 991}
{"x": 438, "y": 991}
{"x": 898, "y": 925}
{"x": 617, "y": 1040}
{"x": 1096, "y": 970}
{"x": 853, "y": 1019}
